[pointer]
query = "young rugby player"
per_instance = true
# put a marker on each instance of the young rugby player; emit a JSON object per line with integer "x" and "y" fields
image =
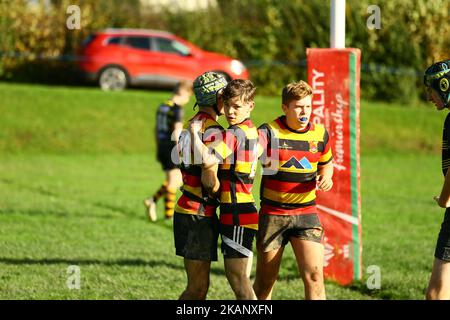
{"x": 437, "y": 81}
{"x": 238, "y": 156}
{"x": 297, "y": 159}
{"x": 195, "y": 224}
{"x": 169, "y": 123}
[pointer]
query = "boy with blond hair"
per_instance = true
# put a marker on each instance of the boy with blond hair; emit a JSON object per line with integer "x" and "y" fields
{"x": 297, "y": 160}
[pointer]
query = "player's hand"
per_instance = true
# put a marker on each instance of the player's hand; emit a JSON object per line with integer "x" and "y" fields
{"x": 436, "y": 198}
{"x": 324, "y": 183}
{"x": 195, "y": 126}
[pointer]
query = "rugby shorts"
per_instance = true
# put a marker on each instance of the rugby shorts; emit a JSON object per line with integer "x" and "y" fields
{"x": 274, "y": 231}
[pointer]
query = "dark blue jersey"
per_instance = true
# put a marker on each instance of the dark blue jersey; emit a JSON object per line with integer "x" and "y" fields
{"x": 167, "y": 115}
{"x": 446, "y": 145}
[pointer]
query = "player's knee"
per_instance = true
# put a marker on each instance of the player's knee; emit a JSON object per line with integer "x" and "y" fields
{"x": 313, "y": 277}
{"x": 175, "y": 180}
{"x": 175, "y": 184}
{"x": 238, "y": 280}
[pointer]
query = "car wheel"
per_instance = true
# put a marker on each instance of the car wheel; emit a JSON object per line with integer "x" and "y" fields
{"x": 113, "y": 79}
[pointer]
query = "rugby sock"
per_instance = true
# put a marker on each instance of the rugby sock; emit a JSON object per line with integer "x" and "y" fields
{"x": 160, "y": 192}
{"x": 169, "y": 202}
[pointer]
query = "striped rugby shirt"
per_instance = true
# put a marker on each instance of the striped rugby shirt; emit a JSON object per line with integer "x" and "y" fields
{"x": 292, "y": 189}
{"x": 446, "y": 145}
{"x": 195, "y": 199}
{"x": 236, "y": 174}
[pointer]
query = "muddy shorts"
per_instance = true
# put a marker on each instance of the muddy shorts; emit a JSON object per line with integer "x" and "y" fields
{"x": 442, "y": 251}
{"x": 196, "y": 236}
{"x": 237, "y": 242}
{"x": 274, "y": 231}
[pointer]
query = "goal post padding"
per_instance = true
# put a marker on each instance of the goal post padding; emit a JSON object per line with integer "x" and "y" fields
{"x": 334, "y": 75}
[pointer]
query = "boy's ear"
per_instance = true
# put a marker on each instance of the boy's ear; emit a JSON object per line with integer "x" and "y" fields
{"x": 252, "y": 106}
{"x": 284, "y": 107}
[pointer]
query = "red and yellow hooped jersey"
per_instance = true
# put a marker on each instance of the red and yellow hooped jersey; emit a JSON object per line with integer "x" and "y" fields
{"x": 195, "y": 199}
{"x": 236, "y": 174}
{"x": 290, "y": 162}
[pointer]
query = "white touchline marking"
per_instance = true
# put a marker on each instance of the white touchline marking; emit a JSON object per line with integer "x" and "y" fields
{"x": 339, "y": 214}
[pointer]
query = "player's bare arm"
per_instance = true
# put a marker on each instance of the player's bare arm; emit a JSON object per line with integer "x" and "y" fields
{"x": 444, "y": 199}
{"x": 325, "y": 177}
{"x": 210, "y": 181}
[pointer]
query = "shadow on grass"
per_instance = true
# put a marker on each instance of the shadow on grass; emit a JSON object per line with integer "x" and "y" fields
{"x": 116, "y": 212}
{"x": 356, "y": 286}
{"x": 39, "y": 189}
{"x": 387, "y": 292}
{"x": 54, "y": 213}
{"x": 44, "y": 192}
{"x": 125, "y": 212}
{"x": 106, "y": 263}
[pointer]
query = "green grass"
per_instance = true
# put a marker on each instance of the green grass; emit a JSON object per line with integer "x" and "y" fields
{"x": 76, "y": 163}
{"x": 39, "y": 119}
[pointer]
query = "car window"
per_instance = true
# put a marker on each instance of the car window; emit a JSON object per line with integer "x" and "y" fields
{"x": 88, "y": 40}
{"x": 114, "y": 40}
{"x": 171, "y": 46}
{"x": 138, "y": 42}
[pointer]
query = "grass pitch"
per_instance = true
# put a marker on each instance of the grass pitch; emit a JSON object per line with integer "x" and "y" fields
{"x": 76, "y": 163}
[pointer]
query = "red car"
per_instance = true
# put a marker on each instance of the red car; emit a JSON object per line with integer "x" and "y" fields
{"x": 116, "y": 58}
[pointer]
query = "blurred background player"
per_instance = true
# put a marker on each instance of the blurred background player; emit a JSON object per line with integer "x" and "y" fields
{"x": 169, "y": 124}
{"x": 300, "y": 159}
{"x": 437, "y": 81}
